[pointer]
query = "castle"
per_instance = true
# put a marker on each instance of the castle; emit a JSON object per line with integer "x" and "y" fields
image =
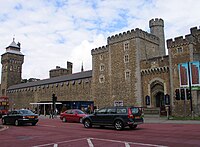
{"x": 132, "y": 69}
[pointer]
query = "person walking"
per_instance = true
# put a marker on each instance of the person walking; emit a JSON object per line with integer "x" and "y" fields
{"x": 51, "y": 113}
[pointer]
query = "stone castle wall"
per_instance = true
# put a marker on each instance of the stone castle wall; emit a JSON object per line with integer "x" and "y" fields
{"x": 101, "y": 76}
{"x": 76, "y": 90}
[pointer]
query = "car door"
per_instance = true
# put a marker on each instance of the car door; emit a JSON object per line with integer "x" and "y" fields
{"x": 74, "y": 116}
{"x": 99, "y": 116}
{"x": 110, "y": 115}
{"x": 68, "y": 115}
{"x": 7, "y": 117}
{"x": 11, "y": 117}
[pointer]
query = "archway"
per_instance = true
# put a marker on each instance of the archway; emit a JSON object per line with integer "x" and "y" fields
{"x": 157, "y": 94}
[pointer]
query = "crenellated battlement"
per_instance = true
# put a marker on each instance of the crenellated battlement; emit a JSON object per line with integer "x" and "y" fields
{"x": 137, "y": 33}
{"x": 156, "y": 22}
{"x": 194, "y": 31}
{"x": 180, "y": 41}
{"x": 99, "y": 50}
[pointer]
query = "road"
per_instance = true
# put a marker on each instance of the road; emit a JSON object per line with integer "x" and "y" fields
{"x": 55, "y": 133}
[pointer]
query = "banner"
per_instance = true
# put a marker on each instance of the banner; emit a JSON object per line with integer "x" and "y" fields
{"x": 194, "y": 70}
{"x": 183, "y": 74}
{"x": 194, "y": 73}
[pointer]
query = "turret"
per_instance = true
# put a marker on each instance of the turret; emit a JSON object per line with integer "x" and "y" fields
{"x": 157, "y": 28}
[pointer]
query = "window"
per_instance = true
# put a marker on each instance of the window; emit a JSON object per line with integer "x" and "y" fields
{"x": 126, "y": 58}
{"x": 102, "y": 67}
{"x": 101, "y": 111}
{"x": 127, "y": 75}
{"x": 126, "y": 45}
{"x": 101, "y": 79}
{"x": 101, "y": 57}
{"x": 69, "y": 112}
{"x": 179, "y": 49}
{"x": 121, "y": 111}
{"x": 111, "y": 111}
{"x": 135, "y": 110}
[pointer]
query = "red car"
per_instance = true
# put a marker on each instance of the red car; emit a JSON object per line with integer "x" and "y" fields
{"x": 72, "y": 115}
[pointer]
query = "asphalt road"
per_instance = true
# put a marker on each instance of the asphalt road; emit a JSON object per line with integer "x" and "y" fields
{"x": 55, "y": 133}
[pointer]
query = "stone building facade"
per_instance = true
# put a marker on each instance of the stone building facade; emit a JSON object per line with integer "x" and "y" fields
{"x": 131, "y": 69}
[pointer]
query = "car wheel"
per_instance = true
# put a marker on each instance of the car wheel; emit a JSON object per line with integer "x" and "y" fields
{"x": 33, "y": 124}
{"x": 87, "y": 123}
{"x": 3, "y": 122}
{"x": 132, "y": 126}
{"x": 16, "y": 122}
{"x": 118, "y": 125}
{"x": 64, "y": 119}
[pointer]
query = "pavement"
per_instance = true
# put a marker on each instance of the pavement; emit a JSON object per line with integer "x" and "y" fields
{"x": 154, "y": 119}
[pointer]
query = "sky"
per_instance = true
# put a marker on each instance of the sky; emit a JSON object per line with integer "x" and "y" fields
{"x": 52, "y": 32}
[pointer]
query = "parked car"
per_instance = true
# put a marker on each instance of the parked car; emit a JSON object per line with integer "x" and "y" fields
{"x": 20, "y": 117}
{"x": 119, "y": 117}
{"x": 72, "y": 115}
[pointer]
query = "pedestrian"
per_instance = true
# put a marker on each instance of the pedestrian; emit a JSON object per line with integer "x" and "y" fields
{"x": 51, "y": 113}
{"x": 56, "y": 112}
{"x": 88, "y": 109}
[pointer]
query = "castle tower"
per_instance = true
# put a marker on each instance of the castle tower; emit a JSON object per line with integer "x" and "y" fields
{"x": 11, "y": 61}
{"x": 157, "y": 28}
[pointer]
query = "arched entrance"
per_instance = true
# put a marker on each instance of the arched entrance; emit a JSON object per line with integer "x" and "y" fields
{"x": 157, "y": 94}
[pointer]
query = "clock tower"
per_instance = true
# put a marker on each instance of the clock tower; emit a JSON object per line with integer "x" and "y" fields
{"x": 11, "y": 61}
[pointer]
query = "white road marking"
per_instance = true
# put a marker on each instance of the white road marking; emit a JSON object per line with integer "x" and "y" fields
{"x": 90, "y": 142}
{"x": 127, "y": 144}
{"x": 143, "y": 144}
{"x": 48, "y": 144}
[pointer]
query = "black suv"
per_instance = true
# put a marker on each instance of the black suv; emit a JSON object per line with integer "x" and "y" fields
{"x": 119, "y": 117}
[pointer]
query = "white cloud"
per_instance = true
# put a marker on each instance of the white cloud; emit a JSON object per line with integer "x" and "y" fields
{"x": 54, "y": 32}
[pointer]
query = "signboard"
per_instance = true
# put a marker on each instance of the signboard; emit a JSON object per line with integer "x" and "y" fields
{"x": 118, "y": 103}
